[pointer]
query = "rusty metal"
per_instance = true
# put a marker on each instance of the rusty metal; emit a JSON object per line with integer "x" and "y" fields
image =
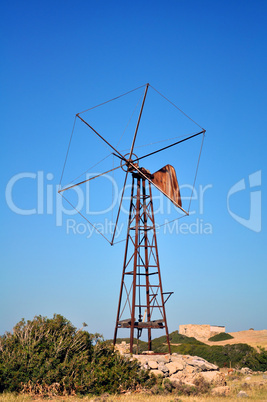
{"x": 141, "y": 285}
{"x": 166, "y": 180}
{"x": 130, "y": 165}
{"x": 146, "y": 175}
{"x": 172, "y": 145}
{"x": 138, "y": 121}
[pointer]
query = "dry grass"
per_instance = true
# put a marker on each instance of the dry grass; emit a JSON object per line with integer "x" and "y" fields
{"x": 252, "y": 338}
{"x": 254, "y": 385}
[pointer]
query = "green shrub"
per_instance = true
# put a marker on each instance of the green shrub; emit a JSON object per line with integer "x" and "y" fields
{"x": 239, "y": 355}
{"x": 159, "y": 345}
{"x": 51, "y": 357}
{"x": 175, "y": 337}
{"x": 222, "y": 336}
{"x": 43, "y": 351}
{"x": 110, "y": 372}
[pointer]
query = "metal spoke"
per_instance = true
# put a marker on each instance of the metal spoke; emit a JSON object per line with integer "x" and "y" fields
{"x": 119, "y": 210}
{"x": 85, "y": 181}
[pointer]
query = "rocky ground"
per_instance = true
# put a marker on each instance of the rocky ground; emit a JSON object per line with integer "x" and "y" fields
{"x": 187, "y": 369}
{"x": 181, "y": 368}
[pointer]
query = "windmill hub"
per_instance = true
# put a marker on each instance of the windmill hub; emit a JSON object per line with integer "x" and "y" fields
{"x": 127, "y": 166}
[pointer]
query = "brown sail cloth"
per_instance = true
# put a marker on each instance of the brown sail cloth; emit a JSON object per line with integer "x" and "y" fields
{"x": 166, "y": 180}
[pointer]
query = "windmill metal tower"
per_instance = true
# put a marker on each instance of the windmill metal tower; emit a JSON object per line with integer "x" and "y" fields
{"x": 141, "y": 263}
{"x": 142, "y": 300}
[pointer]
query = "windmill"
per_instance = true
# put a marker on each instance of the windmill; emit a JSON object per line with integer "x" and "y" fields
{"x": 141, "y": 304}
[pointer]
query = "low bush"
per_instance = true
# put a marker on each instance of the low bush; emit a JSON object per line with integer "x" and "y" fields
{"x": 175, "y": 337}
{"x": 110, "y": 372}
{"x": 159, "y": 345}
{"x": 222, "y": 336}
{"x": 238, "y": 355}
{"x": 43, "y": 351}
{"x": 49, "y": 357}
{"x": 164, "y": 386}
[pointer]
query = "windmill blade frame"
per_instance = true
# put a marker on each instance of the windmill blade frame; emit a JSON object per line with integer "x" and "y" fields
{"x": 141, "y": 250}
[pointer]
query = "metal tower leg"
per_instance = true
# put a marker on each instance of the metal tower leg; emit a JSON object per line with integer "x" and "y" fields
{"x": 160, "y": 282}
{"x": 124, "y": 265}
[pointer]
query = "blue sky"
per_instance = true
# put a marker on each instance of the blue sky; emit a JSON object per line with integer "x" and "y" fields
{"x": 209, "y": 58}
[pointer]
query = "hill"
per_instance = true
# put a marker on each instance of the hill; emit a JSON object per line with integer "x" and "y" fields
{"x": 250, "y": 337}
{"x": 232, "y": 353}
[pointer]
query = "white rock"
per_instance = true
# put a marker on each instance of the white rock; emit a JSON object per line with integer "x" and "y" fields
{"x": 157, "y": 372}
{"x": 214, "y": 377}
{"x": 242, "y": 394}
{"x": 176, "y": 377}
{"x": 173, "y": 367}
{"x": 152, "y": 364}
{"x": 163, "y": 359}
{"x": 202, "y": 364}
{"x": 162, "y": 367}
{"x": 190, "y": 369}
{"x": 246, "y": 370}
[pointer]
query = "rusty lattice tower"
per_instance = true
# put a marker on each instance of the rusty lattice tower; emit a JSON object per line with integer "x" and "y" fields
{"x": 141, "y": 278}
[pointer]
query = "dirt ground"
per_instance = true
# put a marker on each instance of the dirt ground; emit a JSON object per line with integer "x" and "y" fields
{"x": 251, "y": 337}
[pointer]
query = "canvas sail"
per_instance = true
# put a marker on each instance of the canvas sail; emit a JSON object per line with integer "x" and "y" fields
{"x": 166, "y": 180}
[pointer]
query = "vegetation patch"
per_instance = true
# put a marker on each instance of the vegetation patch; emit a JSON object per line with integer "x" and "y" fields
{"x": 49, "y": 357}
{"x": 159, "y": 345}
{"x": 237, "y": 355}
{"x": 222, "y": 336}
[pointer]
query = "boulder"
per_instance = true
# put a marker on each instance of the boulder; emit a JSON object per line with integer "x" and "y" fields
{"x": 191, "y": 369}
{"x": 242, "y": 394}
{"x": 173, "y": 367}
{"x": 214, "y": 377}
{"x": 176, "y": 377}
{"x": 221, "y": 391}
{"x": 163, "y": 359}
{"x": 202, "y": 364}
{"x": 183, "y": 368}
{"x": 162, "y": 367}
{"x": 246, "y": 370}
{"x": 157, "y": 372}
{"x": 152, "y": 364}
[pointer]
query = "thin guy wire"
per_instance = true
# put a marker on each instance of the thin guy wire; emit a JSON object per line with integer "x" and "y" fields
{"x": 196, "y": 171}
{"x": 91, "y": 167}
{"x": 67, "y": 151}
{"x": 177, "y": 107}
{"x": 85, "y": 218}
{"x": 110, "y": 100}
{"x": 117, "y": 144}
{"x": 129, "y": 120}
{"x": 168, "y": 146}
{"x": 112, "y": 189}
{"x": 158, "y": 142}
{"x": 92, "y": 178}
